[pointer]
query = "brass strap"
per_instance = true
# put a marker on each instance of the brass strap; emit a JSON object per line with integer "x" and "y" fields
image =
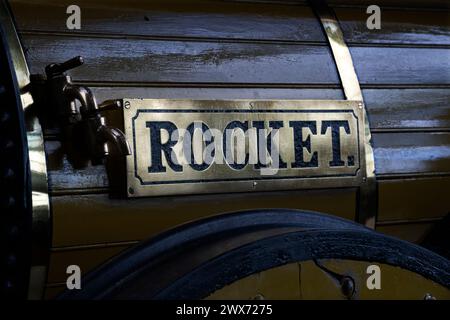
{"x": 367, "y": 194}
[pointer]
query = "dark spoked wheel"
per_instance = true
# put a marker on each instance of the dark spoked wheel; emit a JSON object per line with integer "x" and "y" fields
{"x": 15, "y": 191}
{"x": 227, "y": 256}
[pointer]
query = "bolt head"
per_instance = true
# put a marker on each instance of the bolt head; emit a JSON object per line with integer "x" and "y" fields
{"x": 347, "y": 287}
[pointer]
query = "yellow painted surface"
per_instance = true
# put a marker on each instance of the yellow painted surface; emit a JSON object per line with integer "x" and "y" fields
{"x": 307, "y": 281}
{"x": 90, "y": 219}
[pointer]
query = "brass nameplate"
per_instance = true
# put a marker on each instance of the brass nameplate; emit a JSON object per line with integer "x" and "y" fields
{"x": 201, "y": 146}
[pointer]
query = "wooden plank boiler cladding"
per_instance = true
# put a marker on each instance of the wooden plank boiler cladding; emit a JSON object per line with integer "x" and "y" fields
{"x": 229, "y": 50}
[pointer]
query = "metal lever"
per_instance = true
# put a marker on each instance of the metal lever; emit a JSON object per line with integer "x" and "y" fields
{"x": 84, "y": 125}
{"x": 56, "y": 69}
{"x": 110, "y": 105}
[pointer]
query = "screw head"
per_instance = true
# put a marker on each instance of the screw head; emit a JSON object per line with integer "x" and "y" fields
{"x": 429, "y": 296}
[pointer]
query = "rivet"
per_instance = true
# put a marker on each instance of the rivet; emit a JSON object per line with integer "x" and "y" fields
{"x": 5, "y": 116}
{"x": 6, "y": 144}
{"x": 8, "y": 174}
{"x": 8, "y": 284}
{"x": 8, "y": 202}
{"x": 11, "y": 260}
{"x": 13, "y": 232}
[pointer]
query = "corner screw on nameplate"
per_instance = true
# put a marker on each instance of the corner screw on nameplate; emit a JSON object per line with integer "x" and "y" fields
{"x": 126, "y": 104}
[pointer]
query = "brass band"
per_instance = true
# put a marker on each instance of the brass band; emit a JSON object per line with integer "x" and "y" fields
{"x": 37, "y": 163}
{"x": 367, "y": 195}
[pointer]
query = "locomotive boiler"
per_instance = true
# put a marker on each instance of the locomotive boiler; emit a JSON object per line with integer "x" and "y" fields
{"x": 225, "y": 149}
